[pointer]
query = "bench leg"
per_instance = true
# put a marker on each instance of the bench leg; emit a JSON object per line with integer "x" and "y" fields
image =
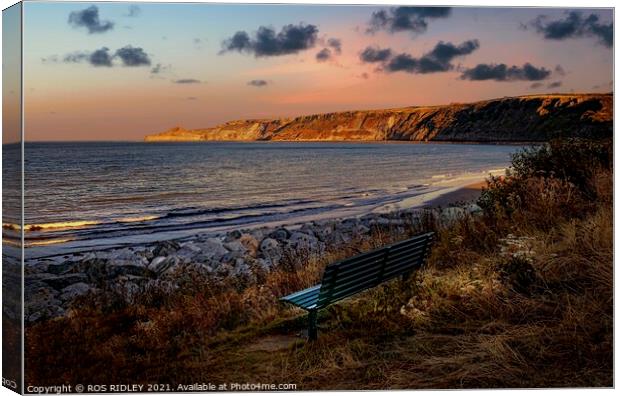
{"x": 312, "y": 329}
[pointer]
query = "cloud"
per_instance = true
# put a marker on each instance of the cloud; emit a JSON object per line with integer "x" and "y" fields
{"x": 100, "y": 57}
{"x": 258, "y": 83}
{"x": 411, "y": 19}
{"x": 134, "y": 11}
{"x": 439, "y": 59}
{"x": 375, "y": 54}
{"x": 536, "y": 85}
{"x": 187, "y": 81}
{"x": 158, "y": 68}
{"x": 573, "y": 25}
{"x": 335, "y": 44}
{"x": 501, "y": 72}
{"x": 266, "y": 42}
{"x": 323, "y": 55}
{"x": 89, "y": 18}
{"x": 555, "y": 84}
{"x": 130, "y": 56}
{"x": 559, "y": 70}
{"x": 133, "y": 56}
{"x": 191, "y": 98}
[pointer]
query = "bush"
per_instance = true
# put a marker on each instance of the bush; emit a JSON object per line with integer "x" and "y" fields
{"x": 558, "y": 180}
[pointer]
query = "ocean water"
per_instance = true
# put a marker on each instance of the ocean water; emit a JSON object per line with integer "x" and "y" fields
{"x": 82, "y": 196}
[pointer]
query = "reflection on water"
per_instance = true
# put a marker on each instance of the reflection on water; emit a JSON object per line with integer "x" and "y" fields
{"x": 91, "y": 193}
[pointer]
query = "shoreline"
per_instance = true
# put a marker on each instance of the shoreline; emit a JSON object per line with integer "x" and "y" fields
{"x": 445, "y": 191}
{"x": 53, "y": 283}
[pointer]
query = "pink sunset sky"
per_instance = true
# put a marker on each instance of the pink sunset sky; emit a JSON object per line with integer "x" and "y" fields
{"x": 117, "y": 71}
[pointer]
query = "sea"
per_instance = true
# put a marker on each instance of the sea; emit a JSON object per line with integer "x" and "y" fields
{"x": 82, "y": 196}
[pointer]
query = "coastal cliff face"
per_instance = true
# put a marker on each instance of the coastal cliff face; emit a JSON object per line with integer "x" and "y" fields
{"x": 523, "y": 118}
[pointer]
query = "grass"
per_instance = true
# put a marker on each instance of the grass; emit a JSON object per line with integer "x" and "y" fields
{"x": 520, "y": 296}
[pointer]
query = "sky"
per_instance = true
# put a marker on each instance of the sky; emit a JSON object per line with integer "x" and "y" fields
{"x": 119, "y": 71}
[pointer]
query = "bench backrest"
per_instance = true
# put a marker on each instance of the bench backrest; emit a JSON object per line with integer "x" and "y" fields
{"x": 364, "y": 271}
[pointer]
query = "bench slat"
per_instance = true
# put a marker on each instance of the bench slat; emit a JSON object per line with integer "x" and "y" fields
{"x": 305, "y": 298}
{"x": 364, "y": 271}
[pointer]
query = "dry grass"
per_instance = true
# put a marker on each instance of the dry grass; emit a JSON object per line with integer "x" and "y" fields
{"x": 519, "y": 297}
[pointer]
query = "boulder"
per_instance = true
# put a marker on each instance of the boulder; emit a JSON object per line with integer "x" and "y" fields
{"x": 62, "y": 281}
{"x": 232, "y": 236}
{"x": 166, "y": 248}
{"x": 71, "y": 292}
{"x": 61, "y": 268}
{"x": 163, "y": 265}
{"x": 235, "y": 246}
{"x": 300, "y": 240}
{"x": 280, "y": 234}
{"x": 212, "y": 248}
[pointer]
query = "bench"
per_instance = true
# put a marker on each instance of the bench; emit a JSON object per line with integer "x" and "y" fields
{"x": 364, "y": 271}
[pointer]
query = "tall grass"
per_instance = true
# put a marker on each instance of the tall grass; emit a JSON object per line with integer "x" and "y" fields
{"x": 520, "y": 296}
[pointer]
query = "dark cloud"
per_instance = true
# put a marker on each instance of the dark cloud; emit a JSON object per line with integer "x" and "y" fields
{"x": 133, "y": 56}
{"x": 335, "y": 44}
{"x": 555, "y": 84}
{"x": 130, "y": 56}
{"x": 559, "y": 70}
{"x": 159, "y": 68}
{"x": 266, "y": 42}
{"x": 536, "y": 85}
{"x": 375, "y": 54}
{"x": 134, "y": 11}
{"x": 100, "y": 57}
{"x": 573, "y": 25}
{"x": 258, "y": 83}
{"x": 323, "y": 55}
{"x": 74, "y": 57}
{"x": 187, "y": 81}
{"x": 412, "y": 19}
{"x": 89, "y": 18}
{"x": 439, "y": 59}
{"x": 501, "y": 72}
{"x": 191, "y": 98}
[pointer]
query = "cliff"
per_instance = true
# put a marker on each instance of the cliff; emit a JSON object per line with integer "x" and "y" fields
{"x": 509, "y": 119}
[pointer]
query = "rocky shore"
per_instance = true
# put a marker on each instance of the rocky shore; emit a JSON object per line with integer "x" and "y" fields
{"x": 53, "y": 284}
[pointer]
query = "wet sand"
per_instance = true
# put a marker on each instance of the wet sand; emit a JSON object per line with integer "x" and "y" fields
{"x": 466, "y": 194}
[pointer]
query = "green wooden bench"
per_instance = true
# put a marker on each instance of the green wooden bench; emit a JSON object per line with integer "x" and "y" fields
{"x": 364, "y": 271}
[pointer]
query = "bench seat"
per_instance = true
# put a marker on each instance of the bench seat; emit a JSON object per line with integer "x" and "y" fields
{"x": 306, "y": 299}
{"x": 362, "y": 272}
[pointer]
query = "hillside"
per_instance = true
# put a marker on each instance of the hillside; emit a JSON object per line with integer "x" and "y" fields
{"x": 509, "y": 119}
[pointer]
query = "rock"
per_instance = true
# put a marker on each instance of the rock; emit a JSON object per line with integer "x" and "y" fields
{"x": 75, "y": 290}
{"x": 450, "y": 215}
{"x": 232, "y": 236}
{"x": 269, "y": 244}
{"x": 280, "y": 235}
{"x": 166, "y": 248}
{"x": 128, "y": 269}
{"x": 212, "y": 248}
{"x": 473, "y": 209}
{"x": 62, "y": 281}
{"x": 271, "y": 250}
{"x": 61, "y": 268}
{"x": 164, "y": 265}
{"x": 300, "y": 240}
{"x": 127, "y": 257}
{"x": 235, "y": 246}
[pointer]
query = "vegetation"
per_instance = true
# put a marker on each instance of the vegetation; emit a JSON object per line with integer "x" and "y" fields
{"x": 518, "y": 296}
